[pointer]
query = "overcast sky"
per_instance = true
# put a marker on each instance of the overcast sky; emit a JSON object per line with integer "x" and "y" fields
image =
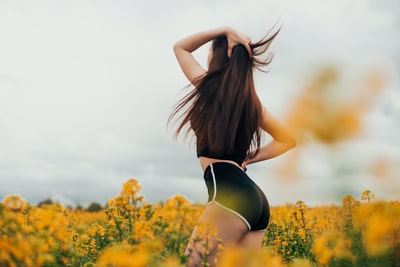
{"x": 87, "y": 87}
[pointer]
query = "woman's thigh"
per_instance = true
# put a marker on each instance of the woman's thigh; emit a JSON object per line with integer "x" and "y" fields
{"x": 252, "y": 240}
{"x": 223, "y": 229}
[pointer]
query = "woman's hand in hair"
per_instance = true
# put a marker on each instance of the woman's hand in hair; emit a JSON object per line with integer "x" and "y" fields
{"x": 235, "y": 38}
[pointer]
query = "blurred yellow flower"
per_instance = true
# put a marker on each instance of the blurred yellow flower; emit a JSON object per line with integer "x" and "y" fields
{"x": 332, "y": 244}
{"x": 238, "y": 257}
{"x": 367, "y": 195}
{"x": 130, "y": 232}
{"x": 124, "y": 256}
{"x": 15, "y": 203}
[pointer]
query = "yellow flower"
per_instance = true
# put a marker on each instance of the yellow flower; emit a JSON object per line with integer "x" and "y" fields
{"x": 378, "y": 233}
{"x": 238, "y": 257}
{"x": 171, "y": 262}
{"x": 367, "y": 195}
{"x": 15, "y": 203}
{"x": 330, "y": 245}
{"x": 301, "y": 263}
{"x": 124, "y": 256}
{"x": 142, "y": 231}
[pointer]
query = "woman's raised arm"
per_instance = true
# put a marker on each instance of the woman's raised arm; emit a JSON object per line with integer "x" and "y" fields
{"x": 183, "y": 49}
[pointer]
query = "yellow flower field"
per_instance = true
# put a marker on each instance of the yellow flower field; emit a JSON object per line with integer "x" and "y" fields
{"x": 131, "y": 232}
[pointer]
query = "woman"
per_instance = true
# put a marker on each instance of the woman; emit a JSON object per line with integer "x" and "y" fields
{"x": 227, "y": 119}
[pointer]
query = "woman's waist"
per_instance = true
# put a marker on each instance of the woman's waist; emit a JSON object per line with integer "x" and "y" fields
{"x": 205, "y": 162}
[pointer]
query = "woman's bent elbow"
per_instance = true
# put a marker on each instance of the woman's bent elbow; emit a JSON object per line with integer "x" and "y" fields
{"x": 292, "y": 143}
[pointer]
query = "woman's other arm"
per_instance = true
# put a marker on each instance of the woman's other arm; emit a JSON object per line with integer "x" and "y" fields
{"x": 282, "y": 139}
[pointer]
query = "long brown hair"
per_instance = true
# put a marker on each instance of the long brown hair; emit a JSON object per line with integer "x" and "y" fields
{"x": 223, "y": 110}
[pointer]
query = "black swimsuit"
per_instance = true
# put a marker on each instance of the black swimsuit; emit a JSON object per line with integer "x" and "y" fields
{"x": 231, "y": 188}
